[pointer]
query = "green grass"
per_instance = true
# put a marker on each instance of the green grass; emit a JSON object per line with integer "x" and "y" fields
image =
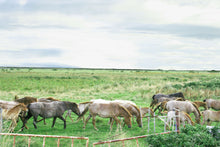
{"x": 80, "y": 85}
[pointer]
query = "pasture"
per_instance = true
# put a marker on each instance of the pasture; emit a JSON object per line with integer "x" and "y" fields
{"x": 81, "y": 85}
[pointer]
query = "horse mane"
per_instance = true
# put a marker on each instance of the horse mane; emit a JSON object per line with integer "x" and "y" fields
{"x": 196, "y": 108}
{"x": 86, "y": 102}
{"x": 188, "y": 116}
{"x": 179, "y": 99}
{"x": 123, "y": 108}
{"x": 136, "y": 108}
{"x": 16, "y": 109}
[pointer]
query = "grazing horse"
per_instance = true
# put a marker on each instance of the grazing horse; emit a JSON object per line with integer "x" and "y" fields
{"x": 211, "y": 103}
{"x": 108, "y": 110}
{"x": 12, "y": 113}
{"x": 185, "y": 106}
{"x": 133, "y": 109}
{"x": 173, "y": 96}
{"x": 183, "y": 117}
{"x": 201, "y": 104}
{"x": 210, "y": 116}
{"x": 47, "y": 110}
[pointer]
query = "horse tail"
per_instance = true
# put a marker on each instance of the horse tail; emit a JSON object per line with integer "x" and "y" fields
{"x": 196, "y": 108}
{"x": 188, "y": 117}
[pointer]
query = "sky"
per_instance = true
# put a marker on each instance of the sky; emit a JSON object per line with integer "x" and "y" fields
{"x": 121, "y": 34}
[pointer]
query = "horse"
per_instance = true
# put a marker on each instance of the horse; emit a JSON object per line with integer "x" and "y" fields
{"x": 183, "y": 117}
{"x": 173, "y": 96}
{"x": 211, "y": 103}
{"x": 13, "y": 113}
{"x": 185, "y": 106}
{"x": 164, "y": 99}
{"x": 129, "y": 105}
{"x": 47, "y": 110}
{"x": 210, "y": 116}
{"x": 133, "y": 109}
{"x": 25, "y": 100}
{"x": 201, "y": 104}
{"x": 108, "y": 110}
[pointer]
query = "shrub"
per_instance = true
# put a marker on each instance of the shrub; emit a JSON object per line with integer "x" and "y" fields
{"x": 190, "y": 136}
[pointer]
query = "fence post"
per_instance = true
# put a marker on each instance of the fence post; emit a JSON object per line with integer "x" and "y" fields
{"x": 154, "y": 122}
{"x": 141, "y": 117}
{"x": 177, "y": 120}
{"x": 148, "y": 118}
{"x": 1, "y": 123}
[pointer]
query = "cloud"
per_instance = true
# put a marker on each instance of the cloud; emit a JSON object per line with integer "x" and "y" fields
{"x": 182, "y": 30}
{"x": 110, "y": 34}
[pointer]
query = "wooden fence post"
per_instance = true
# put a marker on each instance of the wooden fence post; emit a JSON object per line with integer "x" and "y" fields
{"x": 1, "y": 123}
{"x": 177, "y": 120}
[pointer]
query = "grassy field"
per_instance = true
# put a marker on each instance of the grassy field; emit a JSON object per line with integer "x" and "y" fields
{"x": 80, "y": 85}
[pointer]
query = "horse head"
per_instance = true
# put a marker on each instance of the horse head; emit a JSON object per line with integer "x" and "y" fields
{"x": 75, "y": 108}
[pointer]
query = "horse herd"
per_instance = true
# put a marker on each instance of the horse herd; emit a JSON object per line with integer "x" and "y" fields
{"x": 27, "y": 107}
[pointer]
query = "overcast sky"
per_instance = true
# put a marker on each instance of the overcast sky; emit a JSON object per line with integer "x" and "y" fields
{"x": 145, "y": 34}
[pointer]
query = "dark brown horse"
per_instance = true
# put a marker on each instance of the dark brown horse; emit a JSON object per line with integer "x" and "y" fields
{"x": 47, "y": 110}
{"x": 25, "y": 100}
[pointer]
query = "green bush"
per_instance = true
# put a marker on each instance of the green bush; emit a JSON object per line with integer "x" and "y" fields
{"x": 190, "y": 136}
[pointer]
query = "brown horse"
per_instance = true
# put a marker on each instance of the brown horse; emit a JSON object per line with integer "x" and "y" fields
{"x": 201, "y": 104}
{"x": 133, "y": 109}
{"x": 25, "y": 100}
{"x": 108, "y": 110}
{"x": 211, "y": 103}
{"x": 185, "y": 106}
{"x": 210, "y": 116}
{"x": 13, "y": 114}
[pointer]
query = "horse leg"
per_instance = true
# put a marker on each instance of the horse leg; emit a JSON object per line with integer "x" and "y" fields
{"x": 35, "y": 122}
{"x": 54, "y": 120}
{"x": 61, "y": 117}
{"x": 117, "y": 123}
{"x": 93, "y": 122}
{"x": 25, "y": 120}
{"x": 69, "y": 114}
{"x": 87, "y": 119}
